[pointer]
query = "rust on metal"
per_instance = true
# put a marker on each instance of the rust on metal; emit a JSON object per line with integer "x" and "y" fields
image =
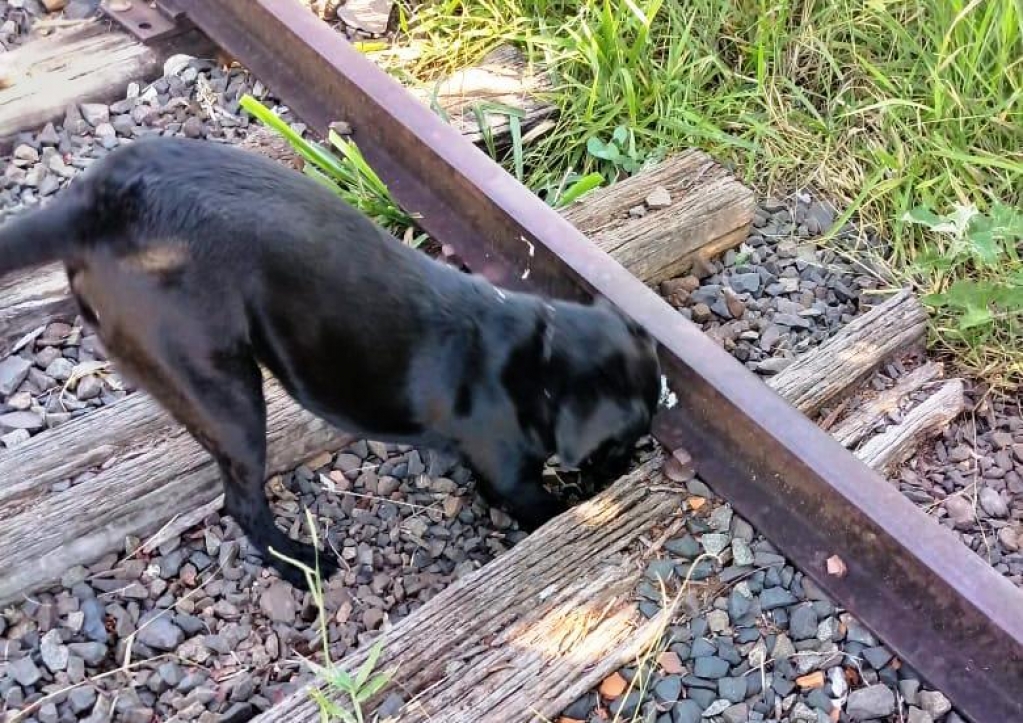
{"x": 935, "y": 603}
{"x": 146, "y": 20}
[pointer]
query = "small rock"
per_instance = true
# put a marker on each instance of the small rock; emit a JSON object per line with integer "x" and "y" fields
{"x": 874, "y": 701}
{"x": 716, "y": 708}
{"x": 658, "y": 198}
{"x": 773, "y": 365}
{"x": 48, "y": 136}
{"x": 878, "y": 656}
{"x": 89, "y": 387}
{"x": 934, "y": 703}
{"x": 193, "y": 128}
{"x": 26, "y": 153}
{"x": 687, "y": 711}
{"x": 1001, "y": 440}
{"x": 53, "y": 651}
{"x": 278, "y": 603}
{"x": 24, "y": 671}
{"x": 159, "y": 633}
{"x": 390, "y": 707}
{"x": 671, "y": 663}
{"x": 803, "y": 622}
{"x": 732, "y": 689}
{"x": 776, "y": 597}
{"x": 1009, "y": 538}
{"x": 734, "y": 304}
{"x": 715, "y": 543}
{"x": 95, "y": 113}
{"x": 738, "y": 713}
{"x": 686, "y": 547}
{"x": 742, "y": 553}
{"x": 717, "y": 621}
{"x": 82, "y": 698}
{"x": 30, "y": 421}
{"x": 500, "y": 518}
{"x": 669, "y": 690}
{"x": 819, "y": 218}
{"x": 60, "y": 369}
{"x": 13, "y": 371}
{"x": 960, "y": 511}
{"x": 92, "y": 652}
{"x": 710, "y": 667}
{"x": 92, "y": 626}
{"x": 613, "y": 686}
{"x": 701, "y": 313}
{"x": 992, "y": 503}
{"x": 47, "y": 713}
{"x": 746, "y": 283}
{"x": 916, "y": 715}
{"x": 910, "y": 690}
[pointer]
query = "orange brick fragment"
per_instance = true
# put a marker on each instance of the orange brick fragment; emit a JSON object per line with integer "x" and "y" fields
{"x": 812, "y": 681}
{"x": 695, "y": 503}
{"x": 613, "y": 686}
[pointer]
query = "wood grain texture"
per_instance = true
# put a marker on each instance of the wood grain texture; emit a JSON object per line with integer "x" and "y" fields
{"x": 30, "y": 299}
{"x": 86, "y": 62}
{"x": 709, "y": 207}
{"x": 528, "y": 633}
{"x": 858, "y": 423}
{"x": 834, "y": 368}
{"x": 520, "y": 639}
{"x": 924, "y": 421}
{"x": 147, "y": 469}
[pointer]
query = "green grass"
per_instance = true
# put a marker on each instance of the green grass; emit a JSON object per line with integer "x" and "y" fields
{"x": 882, "y": 105}
{"x": 354, "y": 689}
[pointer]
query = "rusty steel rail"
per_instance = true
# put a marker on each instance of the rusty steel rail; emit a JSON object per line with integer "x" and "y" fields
{"x": 938, "y": 606}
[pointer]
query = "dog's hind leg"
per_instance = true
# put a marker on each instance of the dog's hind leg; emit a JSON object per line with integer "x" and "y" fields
{"x": 229, "y": 419}
{"x": 215, "y": 389}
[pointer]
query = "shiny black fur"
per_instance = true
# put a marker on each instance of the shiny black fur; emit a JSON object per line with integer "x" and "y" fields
{"x": 197, "y": 262}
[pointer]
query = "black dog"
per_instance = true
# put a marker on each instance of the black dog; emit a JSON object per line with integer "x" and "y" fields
{"x": 197, "y": 262}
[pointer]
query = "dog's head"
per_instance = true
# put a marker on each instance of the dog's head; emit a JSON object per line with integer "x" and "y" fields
{"x": 610, "y": 387}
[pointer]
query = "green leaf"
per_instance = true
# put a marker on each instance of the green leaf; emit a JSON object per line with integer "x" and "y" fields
{"x": 515, "y": 126}
{"x": 579, "y": 188}
{"x": 312, "y": 152}
{"x": 595, "y": 147}
{"x": 621, "y": 135}
{"x": 985, "y": 247}
{"x": 371, "y": 661}
{"x": 923, "y": 216}
{"x": 374, "y": 686}
{"x": 936, "y": 300}
{"x": 975, "y": 316}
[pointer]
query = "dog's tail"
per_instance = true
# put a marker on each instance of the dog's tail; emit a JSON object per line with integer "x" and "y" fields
{"x": 40, "y": 236}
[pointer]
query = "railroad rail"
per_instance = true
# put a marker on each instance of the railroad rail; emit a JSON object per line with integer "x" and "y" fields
{"x": 963, "y": 629}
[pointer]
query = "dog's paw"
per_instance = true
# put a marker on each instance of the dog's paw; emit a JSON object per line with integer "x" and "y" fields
{"x": 308, "y": 556}
{"x": 530, "y": 517}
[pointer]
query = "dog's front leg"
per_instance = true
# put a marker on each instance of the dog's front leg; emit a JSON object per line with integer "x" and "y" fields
{"x": 511, "y": 478}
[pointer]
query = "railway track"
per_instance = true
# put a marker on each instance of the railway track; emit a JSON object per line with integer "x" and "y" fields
{"x": 754, "y": 445}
